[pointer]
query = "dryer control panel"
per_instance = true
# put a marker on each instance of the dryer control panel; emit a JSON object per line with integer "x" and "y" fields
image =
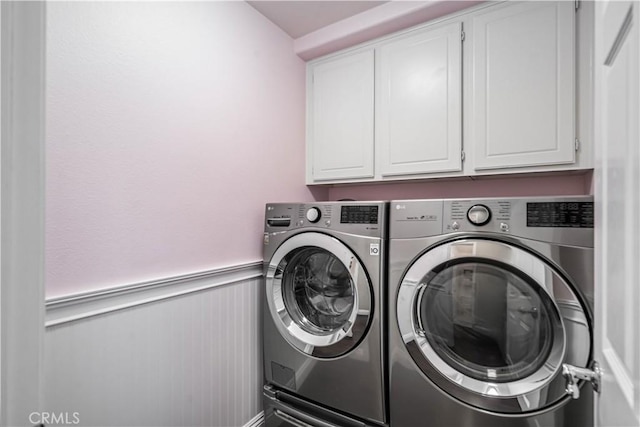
{"x": 552, "y": 219}
{"x": 560, "y": 214}
{"x": 468, "y": 215}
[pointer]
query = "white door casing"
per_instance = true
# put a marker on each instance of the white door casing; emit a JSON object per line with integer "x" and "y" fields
{"x": 22, "y": 227}
{"x": 617, "y": 197}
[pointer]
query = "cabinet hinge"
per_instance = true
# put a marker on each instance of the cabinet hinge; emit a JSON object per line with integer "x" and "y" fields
{"x": 577, "y": 4}
{"x": 462, "y": 157}
{"x": 577, "y": 144}
{"x": 462, "y": 35}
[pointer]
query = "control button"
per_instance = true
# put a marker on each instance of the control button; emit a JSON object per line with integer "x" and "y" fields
{"x": 504, "y": 226}
{"x": 328, "y": 223}
{"x": 455, "y": 225}
{"x": 313, "y": 215}
{"x": 479, "y": 214}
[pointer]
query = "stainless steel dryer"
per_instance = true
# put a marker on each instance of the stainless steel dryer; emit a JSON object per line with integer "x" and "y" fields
{"x": 490, "y": 312}
{"x": 323, "y": 343}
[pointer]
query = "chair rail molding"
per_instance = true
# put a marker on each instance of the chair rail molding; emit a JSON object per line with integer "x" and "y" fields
{"x": 83, "y": 305}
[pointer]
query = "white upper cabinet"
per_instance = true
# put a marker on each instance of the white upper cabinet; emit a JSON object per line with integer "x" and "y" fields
{"x": 340, "y": 118}
{"x": 500, "y": 88}
{"x": 523, "y": 85}
{"x": 419, "y": 102}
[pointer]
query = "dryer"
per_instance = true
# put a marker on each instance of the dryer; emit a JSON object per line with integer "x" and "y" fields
{"x": 490, "y": 312}
{"x": 324, "y": 359}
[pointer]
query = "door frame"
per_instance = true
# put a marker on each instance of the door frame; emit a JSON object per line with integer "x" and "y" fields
{"x": 617, "y": 159}
{"x": 22, "y": 190}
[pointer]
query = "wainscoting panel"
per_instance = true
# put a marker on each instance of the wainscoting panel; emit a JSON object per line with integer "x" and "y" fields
{"x": 190, "y": 360}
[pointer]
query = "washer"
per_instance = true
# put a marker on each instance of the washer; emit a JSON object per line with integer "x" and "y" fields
{"x": 490, "y": 302}
{"x": 323, "y": 321}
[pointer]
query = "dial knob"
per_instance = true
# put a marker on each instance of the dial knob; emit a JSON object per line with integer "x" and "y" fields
{"x": 478, "y": 214}
{"x": 313, "y": 215}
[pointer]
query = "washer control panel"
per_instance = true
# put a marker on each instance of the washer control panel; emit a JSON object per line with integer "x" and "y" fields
{"x": 359, "y": 214}
{"x": 360, "y": 218}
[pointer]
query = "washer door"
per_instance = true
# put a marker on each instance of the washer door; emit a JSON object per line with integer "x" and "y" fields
{"x": 491, "y": 324}
{"x": 318, "y": 294}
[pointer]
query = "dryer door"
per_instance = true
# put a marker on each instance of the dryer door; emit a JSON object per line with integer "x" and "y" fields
{"x": 318, "y": 294}
{"x": 491, "y": 324}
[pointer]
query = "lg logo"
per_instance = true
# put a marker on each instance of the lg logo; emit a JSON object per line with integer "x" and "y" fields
{"x": 374, "y": 249}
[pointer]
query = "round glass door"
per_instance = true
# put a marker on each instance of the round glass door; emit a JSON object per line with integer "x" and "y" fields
{"x": 318, "y": 295}
{"x": 483, "y": 320}
{"x": 317, "y": 289}
{"x": 486, "y": 321}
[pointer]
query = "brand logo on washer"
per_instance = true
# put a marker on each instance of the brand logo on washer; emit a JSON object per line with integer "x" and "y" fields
{"x": 422, "y": 218}
{"x": 374, "y": 249}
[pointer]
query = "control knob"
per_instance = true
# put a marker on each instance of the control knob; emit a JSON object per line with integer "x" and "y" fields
{"x": 478, "y": 214}
{"x": 313, "y": 215}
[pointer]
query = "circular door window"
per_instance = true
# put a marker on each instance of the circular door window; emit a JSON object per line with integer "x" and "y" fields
{"x": 317, "y": 289}
{"x": 485, "y": 321}
{"x": 318, "y": 294}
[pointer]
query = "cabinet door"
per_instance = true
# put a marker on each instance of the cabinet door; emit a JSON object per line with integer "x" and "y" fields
{"x": 523, "y": 85}
{"x": 341, "y": 118}
{"x": 419, "y": 110}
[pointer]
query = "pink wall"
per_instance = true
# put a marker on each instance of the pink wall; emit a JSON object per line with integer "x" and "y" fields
{"x": 169, "y": 126}
{"x": 499, "y": 186}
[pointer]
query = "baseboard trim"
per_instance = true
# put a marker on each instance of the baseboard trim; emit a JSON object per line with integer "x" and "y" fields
{"x": 256, "y": 421}
{"x": 83, "y": 305}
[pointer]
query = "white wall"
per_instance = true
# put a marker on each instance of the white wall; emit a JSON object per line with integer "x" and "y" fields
{"x": 169, "y": 126}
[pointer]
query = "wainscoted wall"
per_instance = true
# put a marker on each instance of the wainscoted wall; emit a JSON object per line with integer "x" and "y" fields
{"x": 167, "y": 355}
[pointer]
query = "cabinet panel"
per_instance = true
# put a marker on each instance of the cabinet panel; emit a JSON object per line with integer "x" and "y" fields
{"x": 341, "y": 118}
{"x": 419, "y": 102}
{"x": 524, "y": 85}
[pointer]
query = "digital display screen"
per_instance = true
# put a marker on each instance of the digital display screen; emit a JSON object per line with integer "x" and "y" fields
{"x": 560, "y": 214}
{"x": 359, "y": 215}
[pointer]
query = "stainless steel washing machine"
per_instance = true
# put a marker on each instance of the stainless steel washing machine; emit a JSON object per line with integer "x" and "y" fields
{"x": 490, "y": 312}
{"x": 324, "y": 266}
